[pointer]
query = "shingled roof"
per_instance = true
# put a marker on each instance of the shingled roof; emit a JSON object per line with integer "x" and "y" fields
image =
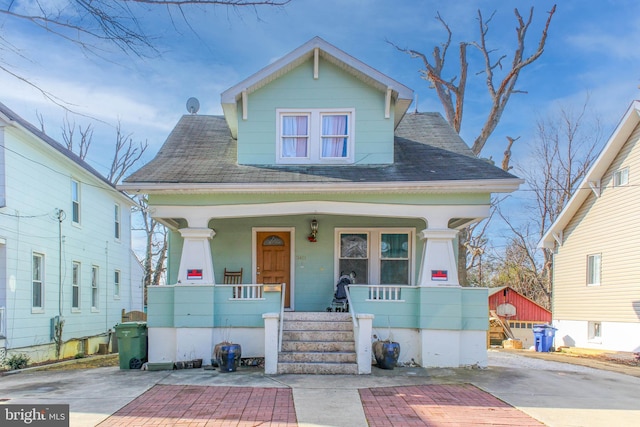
{"x": 200, "y": 150}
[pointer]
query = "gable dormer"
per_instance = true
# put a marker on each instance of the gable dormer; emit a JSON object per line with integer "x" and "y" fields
{"x": 315, "y": 106}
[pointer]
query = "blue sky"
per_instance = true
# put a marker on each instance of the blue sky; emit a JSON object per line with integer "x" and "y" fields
{"x": 592, "y": 48}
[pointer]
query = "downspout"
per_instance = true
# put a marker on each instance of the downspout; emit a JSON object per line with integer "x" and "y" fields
{"x": 106, "y": 287}
{"x": 61, "y": 217}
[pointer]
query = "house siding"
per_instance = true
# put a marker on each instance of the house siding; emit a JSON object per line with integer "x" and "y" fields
{"x": 333, "y": 89}
{"x": 38, "y": 182}
{"x": 609, "y": 226}
{"x": 314, "y": 276}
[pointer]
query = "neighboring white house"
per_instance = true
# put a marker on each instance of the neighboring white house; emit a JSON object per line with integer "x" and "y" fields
{"x": 65, "y": 248}
{"x": 596, "y": 267}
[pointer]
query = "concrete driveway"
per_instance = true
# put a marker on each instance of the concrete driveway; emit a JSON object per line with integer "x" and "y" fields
{"x": 556, "y": 394}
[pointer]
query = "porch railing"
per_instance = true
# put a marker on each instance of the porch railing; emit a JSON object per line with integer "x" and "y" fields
{"x": 246, "y": 292}
{"x": 352, "y": 309}
{"x": 281, "y": 325}
{"x": 385, "y": 293}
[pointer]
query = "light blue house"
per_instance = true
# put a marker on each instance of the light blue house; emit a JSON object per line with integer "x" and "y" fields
{"x": 317, "y": 170}
{"x": 65, "y": 248}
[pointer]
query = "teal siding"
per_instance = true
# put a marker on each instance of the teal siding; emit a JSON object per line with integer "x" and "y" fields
{"x": 160, "y": 303}
{"x": 314, "y": 262}
{"x": 193, "y": 306}
{"x": 37, "y": 182}
{"x": 390, "y": 198}
{"x": 206, "y": 306}
{"x": 334, "y": 89}
{"x": 475, "y": 315}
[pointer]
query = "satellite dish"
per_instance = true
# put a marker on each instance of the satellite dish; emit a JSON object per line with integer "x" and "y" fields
{"x": 193, "y": 105}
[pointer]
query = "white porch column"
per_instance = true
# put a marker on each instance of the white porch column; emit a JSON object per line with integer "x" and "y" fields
{"x": 438, "y": 266}
{"x": 271, "y": 343}
{"x": 196, "y": 265}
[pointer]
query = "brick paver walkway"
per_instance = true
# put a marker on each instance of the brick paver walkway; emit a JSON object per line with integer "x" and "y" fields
{"x": 427, "y": 405}
{"x": 439, "y": 405}
{"x": 199, "y": 406}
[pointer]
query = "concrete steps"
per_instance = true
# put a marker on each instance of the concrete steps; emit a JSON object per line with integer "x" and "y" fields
{"x": 317, "y": 343}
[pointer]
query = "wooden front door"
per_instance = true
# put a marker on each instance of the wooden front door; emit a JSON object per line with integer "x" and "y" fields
{"x": 274, "y": 260}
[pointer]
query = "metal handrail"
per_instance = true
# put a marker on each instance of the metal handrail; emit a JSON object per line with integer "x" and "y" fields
{"x": 281, "y": 326}
{"x": 351, "y": 308}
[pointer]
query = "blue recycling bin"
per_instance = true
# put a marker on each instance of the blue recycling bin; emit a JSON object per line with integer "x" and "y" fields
{"x": 543, "y": 337}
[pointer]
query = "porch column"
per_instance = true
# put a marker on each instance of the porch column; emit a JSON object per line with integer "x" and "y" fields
{"x": 196, "y": 265}
{"x": 439, "y": 265}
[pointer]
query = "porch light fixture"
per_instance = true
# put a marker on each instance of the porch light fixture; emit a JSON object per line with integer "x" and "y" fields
{"x": 314, "y": 230}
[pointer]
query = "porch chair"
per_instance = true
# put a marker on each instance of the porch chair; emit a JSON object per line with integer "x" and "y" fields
{"x": 233, "y": 278}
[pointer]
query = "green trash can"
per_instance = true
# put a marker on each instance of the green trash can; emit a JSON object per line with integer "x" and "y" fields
{"x": 132, "y": 344}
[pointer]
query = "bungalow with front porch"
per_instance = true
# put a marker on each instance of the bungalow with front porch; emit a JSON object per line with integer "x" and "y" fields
{"x": 317, "y": 170}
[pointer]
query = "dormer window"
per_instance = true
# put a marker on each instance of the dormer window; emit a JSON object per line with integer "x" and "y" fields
{"x": 315, "y": 136}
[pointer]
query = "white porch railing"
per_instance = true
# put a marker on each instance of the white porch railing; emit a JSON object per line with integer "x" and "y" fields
{"x": 385, "y": 292}
{"x": 245, "y": 292}
{"x": 281, "y": 319}
{"x": 2, "y": 331}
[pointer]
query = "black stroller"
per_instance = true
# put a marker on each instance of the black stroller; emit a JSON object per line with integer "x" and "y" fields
{"x": 340, "y": 302}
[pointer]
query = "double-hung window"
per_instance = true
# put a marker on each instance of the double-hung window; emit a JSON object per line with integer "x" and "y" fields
{"x": 376, "y": 256}
{"x": 116, "y": 284}
{"x": 37, "y": 282}
{"x": 315, "y": 136}
{"x": 75, "y": 286}
{"x": 94, "y": 287}
{"x": 594, "y": 267}
{"x": 116, "y": 220}
{"x": 75, "y": 201}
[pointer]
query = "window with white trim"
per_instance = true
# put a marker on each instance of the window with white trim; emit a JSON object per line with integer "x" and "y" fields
{"x": 94, "y": 287}
{"x": 315, "y": 136}
{"x": 594, "y": 268}
{"x": 376, "y": 256}
{"x": 621, "y": 177}
{"x": 116, "y": 284}
{"x": 75, "y": 201}
{"x": 75, "y": 286}
{"x": 37, "y": 282}
{"x": 595, "y": 331}
{"x": 116, "y": 220}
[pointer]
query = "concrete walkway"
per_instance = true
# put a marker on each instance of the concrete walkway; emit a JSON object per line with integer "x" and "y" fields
{"x": 531, "y": 390}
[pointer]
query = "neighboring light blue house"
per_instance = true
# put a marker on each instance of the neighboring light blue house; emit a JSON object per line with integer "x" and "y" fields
{"x": 317, "y": 170}
{"x": 65, "y": 248}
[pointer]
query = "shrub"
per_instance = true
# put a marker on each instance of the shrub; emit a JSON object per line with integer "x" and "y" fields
{"x": 17, "y": 361}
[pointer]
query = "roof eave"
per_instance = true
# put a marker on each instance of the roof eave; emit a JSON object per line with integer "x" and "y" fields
{"x": 611, "y": 149}
{"x": 461, "y": 186}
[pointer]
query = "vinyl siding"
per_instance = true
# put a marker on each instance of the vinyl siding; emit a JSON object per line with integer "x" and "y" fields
{"x": 334, "y": 89}
{"x": 38, "y": 181}
{"x": 610, "y": 226}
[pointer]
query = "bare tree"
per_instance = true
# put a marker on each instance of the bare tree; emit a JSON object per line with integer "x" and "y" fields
{"x": 451, "y": 91}
{"x": 156, "y": 246}
{"x": 563, "y": 152}
{"x": 97, "y": 25}
{"x": 85, "y": 135}
{"x": 126, "y": 155}
{"x": 451, "y": 95}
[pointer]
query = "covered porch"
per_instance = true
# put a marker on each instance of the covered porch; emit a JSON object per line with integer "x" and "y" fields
{"x": 437, "y": 322}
